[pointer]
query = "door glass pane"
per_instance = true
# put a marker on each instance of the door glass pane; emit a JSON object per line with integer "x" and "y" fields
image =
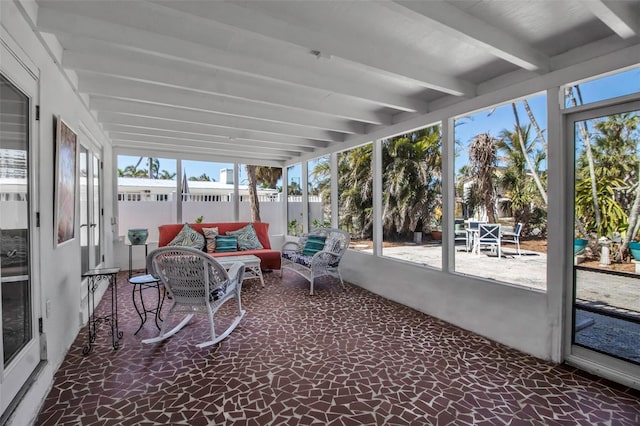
{"x": 607, "y": 195}
{"x": 14, "y": 220}
{"x": 84, "y": 210}
{"x": 96, "y": 225}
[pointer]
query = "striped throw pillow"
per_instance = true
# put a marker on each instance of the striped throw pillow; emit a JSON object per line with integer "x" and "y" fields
{"x": 210, "y": 235}
{"x": 226, "y": 243}
{"x": 247, "y": 238}
{"x": 188, "y": 237}
{"x": 314, "y": 244}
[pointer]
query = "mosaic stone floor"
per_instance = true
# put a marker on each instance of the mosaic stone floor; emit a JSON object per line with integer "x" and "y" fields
{"x": 342, "y": 357}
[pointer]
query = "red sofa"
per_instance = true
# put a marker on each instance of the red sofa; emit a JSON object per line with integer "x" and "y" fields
{"x": 269, "y": 259}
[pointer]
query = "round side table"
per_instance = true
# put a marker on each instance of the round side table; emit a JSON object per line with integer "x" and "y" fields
{"x": 143, "y": 282}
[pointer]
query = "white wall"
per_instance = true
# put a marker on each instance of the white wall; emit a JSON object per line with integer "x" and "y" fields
{"x": 510, "y": 315}
{"x": 59, "y": 281}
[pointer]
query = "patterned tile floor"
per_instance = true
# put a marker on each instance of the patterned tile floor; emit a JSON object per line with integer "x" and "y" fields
{"x": 338, "y": 358}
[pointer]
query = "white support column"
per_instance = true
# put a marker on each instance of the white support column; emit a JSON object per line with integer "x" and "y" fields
{"x": 560, "y": 229}
{"x": 448, "y": 194}
{"x": 377, "y": 197}
{"x": 179, "y": 190}
{"x": 285, "y": 200}
{"x": 236, "y": 192}
{"x": 305, "y": 196}
{"x": 333, "y": 161}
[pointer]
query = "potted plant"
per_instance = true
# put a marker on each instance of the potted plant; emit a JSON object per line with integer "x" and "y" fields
{"x": 579, "y": 244}
{"x": 634, "y": 248}
{"x": 436, "y": 224}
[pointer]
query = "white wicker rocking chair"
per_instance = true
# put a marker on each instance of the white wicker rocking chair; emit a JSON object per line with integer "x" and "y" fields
{"x": 197, "y": 284}
{"x": 324, "y": 262}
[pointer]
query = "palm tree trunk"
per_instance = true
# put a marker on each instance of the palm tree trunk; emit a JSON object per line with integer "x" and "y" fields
{"x": 586, "y": 140}
{"x": 535, "y": 125}
{"x": 253, "y": 193}
{"x": 633, "y": 219}
{"x": 534, "y": 171}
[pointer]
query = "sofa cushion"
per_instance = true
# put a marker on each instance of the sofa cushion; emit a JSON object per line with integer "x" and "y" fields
{"x": 188, "y": 237}
{"x": 210, "y": 235}
{"x": 226, "y": 243}
{"x": 167, "y": 232}
{"x": 269, "y": 259}
{"x": 247, "y": 238}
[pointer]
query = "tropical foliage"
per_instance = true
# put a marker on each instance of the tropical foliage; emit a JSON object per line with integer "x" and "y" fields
{"x": 516, "y": 178}
{"x": 412, "y": 180}
{"x": 155, "y": 173}
{"x": 355, "y": 191}
{"x": 610, "y": 165}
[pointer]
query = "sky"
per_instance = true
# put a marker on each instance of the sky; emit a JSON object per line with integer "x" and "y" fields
{"x": 492, "y": 121}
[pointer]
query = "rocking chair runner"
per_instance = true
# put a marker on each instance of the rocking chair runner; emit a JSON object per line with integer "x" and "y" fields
{"x": 197, "y": 284}
{"x": 324, "y": 262}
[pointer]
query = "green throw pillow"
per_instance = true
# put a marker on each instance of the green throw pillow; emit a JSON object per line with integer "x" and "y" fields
{"x": 188, "y": 237}
{"x": 247, "y": 238}
{"x": 226, "y": 243}
{"x": 314, "y": 244}
{"x": 210, "y": 235}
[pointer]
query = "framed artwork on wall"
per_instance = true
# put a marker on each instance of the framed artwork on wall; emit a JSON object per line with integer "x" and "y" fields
{"x": 66, "y": 161}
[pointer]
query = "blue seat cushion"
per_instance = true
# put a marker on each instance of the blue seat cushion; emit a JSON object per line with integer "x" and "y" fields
{"x": 314, "y": 244}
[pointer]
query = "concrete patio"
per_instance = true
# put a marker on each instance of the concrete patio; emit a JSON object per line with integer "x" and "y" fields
{"x": 529, "y": 269}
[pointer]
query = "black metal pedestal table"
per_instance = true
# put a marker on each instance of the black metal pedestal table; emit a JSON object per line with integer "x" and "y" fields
{"x": 143, "y": 282}
{"x": 94, "y": 278}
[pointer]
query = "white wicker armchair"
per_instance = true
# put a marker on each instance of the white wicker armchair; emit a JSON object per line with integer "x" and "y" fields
{"x": 324, "y": 262}
{"x": 197, "y": 284}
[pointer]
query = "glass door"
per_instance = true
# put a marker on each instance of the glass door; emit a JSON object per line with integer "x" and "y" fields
{"x": 605, "y": 305}
{"x": 90, "y": 209}
{"x": 20, "y": 338}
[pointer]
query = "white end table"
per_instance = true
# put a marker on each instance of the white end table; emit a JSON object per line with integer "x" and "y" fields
{"x": 251, "y": 263}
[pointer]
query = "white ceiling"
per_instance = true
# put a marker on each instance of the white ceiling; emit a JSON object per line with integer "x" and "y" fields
{"x": 270, "y": 81}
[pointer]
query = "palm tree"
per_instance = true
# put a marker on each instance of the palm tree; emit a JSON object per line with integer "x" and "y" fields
{"x": 133, "y": 171}
{"x": 202, "y": 178}
{"x": 412, "y": 180}
{"x": 525, "y": 153}
{"x": 483, "y": 157}
{"x": 260, "y": 175}
{"x": 268, "y": 176}
{"x": 166, "y": 175}
{"x": 516, "y": 178}
{"x": 355, "y": 186}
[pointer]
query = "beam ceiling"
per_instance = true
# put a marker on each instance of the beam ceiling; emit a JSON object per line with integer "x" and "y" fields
{"x": 274, "y": 81}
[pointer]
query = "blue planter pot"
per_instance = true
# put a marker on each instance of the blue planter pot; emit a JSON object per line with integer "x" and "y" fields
{"x": 579, "y": 244}
{"x": 138, "y": 236}
{"x": 634, "y": 247}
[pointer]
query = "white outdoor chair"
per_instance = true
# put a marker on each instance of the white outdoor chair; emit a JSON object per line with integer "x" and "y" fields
{"x": 324, "y": 262}
{"x": 513, "y": 237}
{"x": 197, "y": 284}
{"x": 471, "y": 231}
{"x": 489, "y": 236}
